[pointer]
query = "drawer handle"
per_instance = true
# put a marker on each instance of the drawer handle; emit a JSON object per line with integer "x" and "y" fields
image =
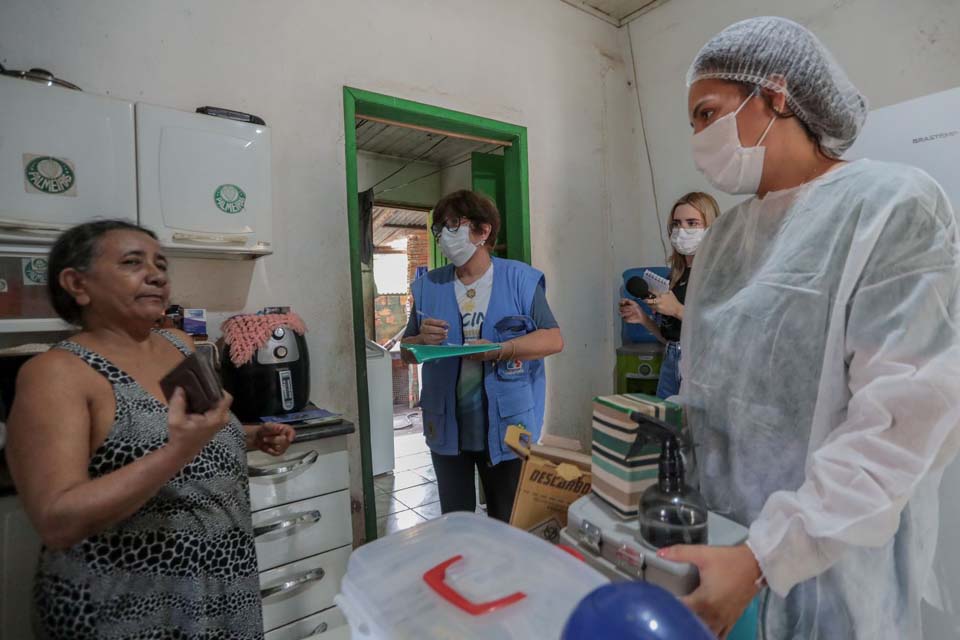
{"x": 321, "y": 628}
{"x": 302, "y": 461}
{"x": 313, "y": 575}
{"x": 306, "y": 517}
{"x": 32, "y": 227}
{"x": 212, "y": 238}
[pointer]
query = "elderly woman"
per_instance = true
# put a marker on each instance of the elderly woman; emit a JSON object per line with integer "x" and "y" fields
{"x": 821, "y": 355}
{"x": 143, "y": 509}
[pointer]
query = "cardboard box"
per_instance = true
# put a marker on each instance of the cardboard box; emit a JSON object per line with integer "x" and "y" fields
{"x": 554, "y": 476}
{"x": 623, "y": 468}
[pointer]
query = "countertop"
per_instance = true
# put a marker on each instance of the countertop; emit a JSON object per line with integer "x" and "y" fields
{"x": 305, "y": 434}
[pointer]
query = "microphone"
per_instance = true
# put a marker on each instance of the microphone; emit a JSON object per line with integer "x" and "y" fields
{"x": 638, "y": 288}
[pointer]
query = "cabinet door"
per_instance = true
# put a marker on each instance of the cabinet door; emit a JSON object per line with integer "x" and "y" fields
{"x": 65, "y": 157}
{"x": 19, "y": 550}
{"x": 204, "y": 181}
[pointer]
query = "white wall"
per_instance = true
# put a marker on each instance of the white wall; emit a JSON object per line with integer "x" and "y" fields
{"x": 537, "y": 63}
{"x": 372, "y": 168}
{"x": 892, "y": 50}
{"x": 456, "y": 177}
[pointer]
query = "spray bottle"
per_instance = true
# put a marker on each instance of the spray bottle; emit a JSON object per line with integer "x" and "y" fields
{"x": 671, "y": 511}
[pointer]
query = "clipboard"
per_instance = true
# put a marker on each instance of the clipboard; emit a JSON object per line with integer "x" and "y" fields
{"x": 427, "y": 352}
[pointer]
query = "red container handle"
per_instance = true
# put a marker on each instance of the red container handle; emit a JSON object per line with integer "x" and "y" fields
{"x": 436, "y": 579}
{"x": 576, "y": 554}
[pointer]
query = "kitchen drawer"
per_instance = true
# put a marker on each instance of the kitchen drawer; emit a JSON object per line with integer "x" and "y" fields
{"x": 319, "y": 627}
{"x": 301, "y": 529}
{"x": 301, "y": 588}
{"x": 306, "y": 470}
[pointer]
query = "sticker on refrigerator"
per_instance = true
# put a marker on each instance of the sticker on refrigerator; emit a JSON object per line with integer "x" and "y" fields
{"x": 49, "y": 175}
{"x": 34, "y": 272}
{"x": 4, "y": 287}
{"x": 230, "y": 198}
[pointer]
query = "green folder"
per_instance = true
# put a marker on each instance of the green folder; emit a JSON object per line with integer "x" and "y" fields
{"x": 426, "y": 352}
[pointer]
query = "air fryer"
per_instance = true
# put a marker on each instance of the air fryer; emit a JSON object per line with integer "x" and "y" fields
{"x": 275, "y": 381}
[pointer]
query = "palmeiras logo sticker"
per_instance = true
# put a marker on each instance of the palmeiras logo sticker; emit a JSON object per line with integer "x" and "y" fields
{"x": 230, "y": 198}
{"x": 49, "y": 175}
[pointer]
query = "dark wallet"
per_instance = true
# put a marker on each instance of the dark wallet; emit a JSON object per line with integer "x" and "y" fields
{"x": 199, "y": 382}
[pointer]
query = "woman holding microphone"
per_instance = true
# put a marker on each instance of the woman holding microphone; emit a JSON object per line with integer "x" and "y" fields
{"x": 688, "y": 221}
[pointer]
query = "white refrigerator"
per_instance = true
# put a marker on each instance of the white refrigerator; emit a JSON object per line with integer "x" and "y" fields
{"x": 380, "y": 398}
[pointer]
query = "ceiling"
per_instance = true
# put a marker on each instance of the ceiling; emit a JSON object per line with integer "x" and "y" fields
{"x": 616, "y": 12}
{"x": 390, "y": 224}
{"x": 410, "y": 144}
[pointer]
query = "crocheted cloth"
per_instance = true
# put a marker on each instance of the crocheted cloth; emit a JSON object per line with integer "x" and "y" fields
{"x": 245, "y": 334}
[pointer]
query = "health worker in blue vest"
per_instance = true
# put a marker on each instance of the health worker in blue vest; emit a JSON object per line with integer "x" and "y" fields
{"x": 469, "y": 402}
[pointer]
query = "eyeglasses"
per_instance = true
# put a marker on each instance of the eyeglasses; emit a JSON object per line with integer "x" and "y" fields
{"x": 452, "y": 225}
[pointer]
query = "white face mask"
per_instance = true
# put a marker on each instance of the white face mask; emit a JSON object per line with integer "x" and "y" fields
{"x": 687, "y": 241}
{"x": 728, "y": 165}
{"x": 456, "y": 245}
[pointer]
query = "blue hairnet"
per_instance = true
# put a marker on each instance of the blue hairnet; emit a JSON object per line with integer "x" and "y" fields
{"x": 781, "y": 55}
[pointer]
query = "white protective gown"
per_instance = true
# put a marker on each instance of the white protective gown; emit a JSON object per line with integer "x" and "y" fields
{"x": 821, "y": 376}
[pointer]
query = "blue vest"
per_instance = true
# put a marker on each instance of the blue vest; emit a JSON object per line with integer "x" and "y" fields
{"x": 515, "y": 390}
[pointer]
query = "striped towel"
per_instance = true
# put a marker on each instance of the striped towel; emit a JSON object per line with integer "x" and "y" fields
{"x": 621, "y": 474}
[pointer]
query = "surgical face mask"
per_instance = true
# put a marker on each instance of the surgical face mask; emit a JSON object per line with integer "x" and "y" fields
{"x": 728, "y": 165}
{"x": 456, "y": 245}
{"x": 687, "y": 241}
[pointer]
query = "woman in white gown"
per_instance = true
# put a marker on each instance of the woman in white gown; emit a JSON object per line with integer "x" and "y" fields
{"x": 821, "y": 369}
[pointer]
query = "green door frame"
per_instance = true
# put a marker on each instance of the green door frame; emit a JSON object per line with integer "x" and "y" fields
{"x": 366, "y": 103}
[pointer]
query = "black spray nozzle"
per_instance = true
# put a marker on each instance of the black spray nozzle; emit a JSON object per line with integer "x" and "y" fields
{"x": 670, "y": 473}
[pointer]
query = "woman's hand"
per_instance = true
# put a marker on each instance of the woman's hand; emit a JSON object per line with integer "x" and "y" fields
{"x": 190, "y": 432}
{"x": 631, "y": 312}
{"x": 433, "y": 331}
{"x": 272, "y": 438}
{"x": 728, "y": 582}
{"x": 667, "y": 304}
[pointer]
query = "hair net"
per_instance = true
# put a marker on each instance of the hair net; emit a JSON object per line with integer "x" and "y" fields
{"x": 761, "y": 51}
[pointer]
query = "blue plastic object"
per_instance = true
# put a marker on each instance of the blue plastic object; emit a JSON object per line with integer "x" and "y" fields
{"x": 633, "y": 611}
{"x": 634, "y": 333}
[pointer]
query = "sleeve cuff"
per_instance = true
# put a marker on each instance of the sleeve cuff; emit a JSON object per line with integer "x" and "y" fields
{"x": 787, "y": 555}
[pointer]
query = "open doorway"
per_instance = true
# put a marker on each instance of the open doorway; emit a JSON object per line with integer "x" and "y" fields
{"x": 401, "y": 158}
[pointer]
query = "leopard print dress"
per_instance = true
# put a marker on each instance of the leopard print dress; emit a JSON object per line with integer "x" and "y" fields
{"x": 183, "y": 567}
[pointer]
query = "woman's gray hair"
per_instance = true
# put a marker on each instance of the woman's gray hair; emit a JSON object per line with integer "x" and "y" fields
{"x": 75, "y": 249}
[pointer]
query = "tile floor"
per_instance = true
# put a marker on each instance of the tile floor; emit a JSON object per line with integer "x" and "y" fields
{"x": 409, "y": 495}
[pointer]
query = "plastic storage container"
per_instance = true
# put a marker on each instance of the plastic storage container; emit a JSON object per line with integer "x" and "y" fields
{"x": 462, "y": 576}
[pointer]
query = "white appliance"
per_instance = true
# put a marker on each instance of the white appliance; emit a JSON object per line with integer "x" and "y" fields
{"x": 66, "y": 156}
{"x": 204, "y": 181}
{"x": 925, "y": 132}
{"x": 380, "y": 398}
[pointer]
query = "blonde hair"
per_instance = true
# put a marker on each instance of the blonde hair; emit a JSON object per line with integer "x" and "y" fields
{"x": 709, "y": 209}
